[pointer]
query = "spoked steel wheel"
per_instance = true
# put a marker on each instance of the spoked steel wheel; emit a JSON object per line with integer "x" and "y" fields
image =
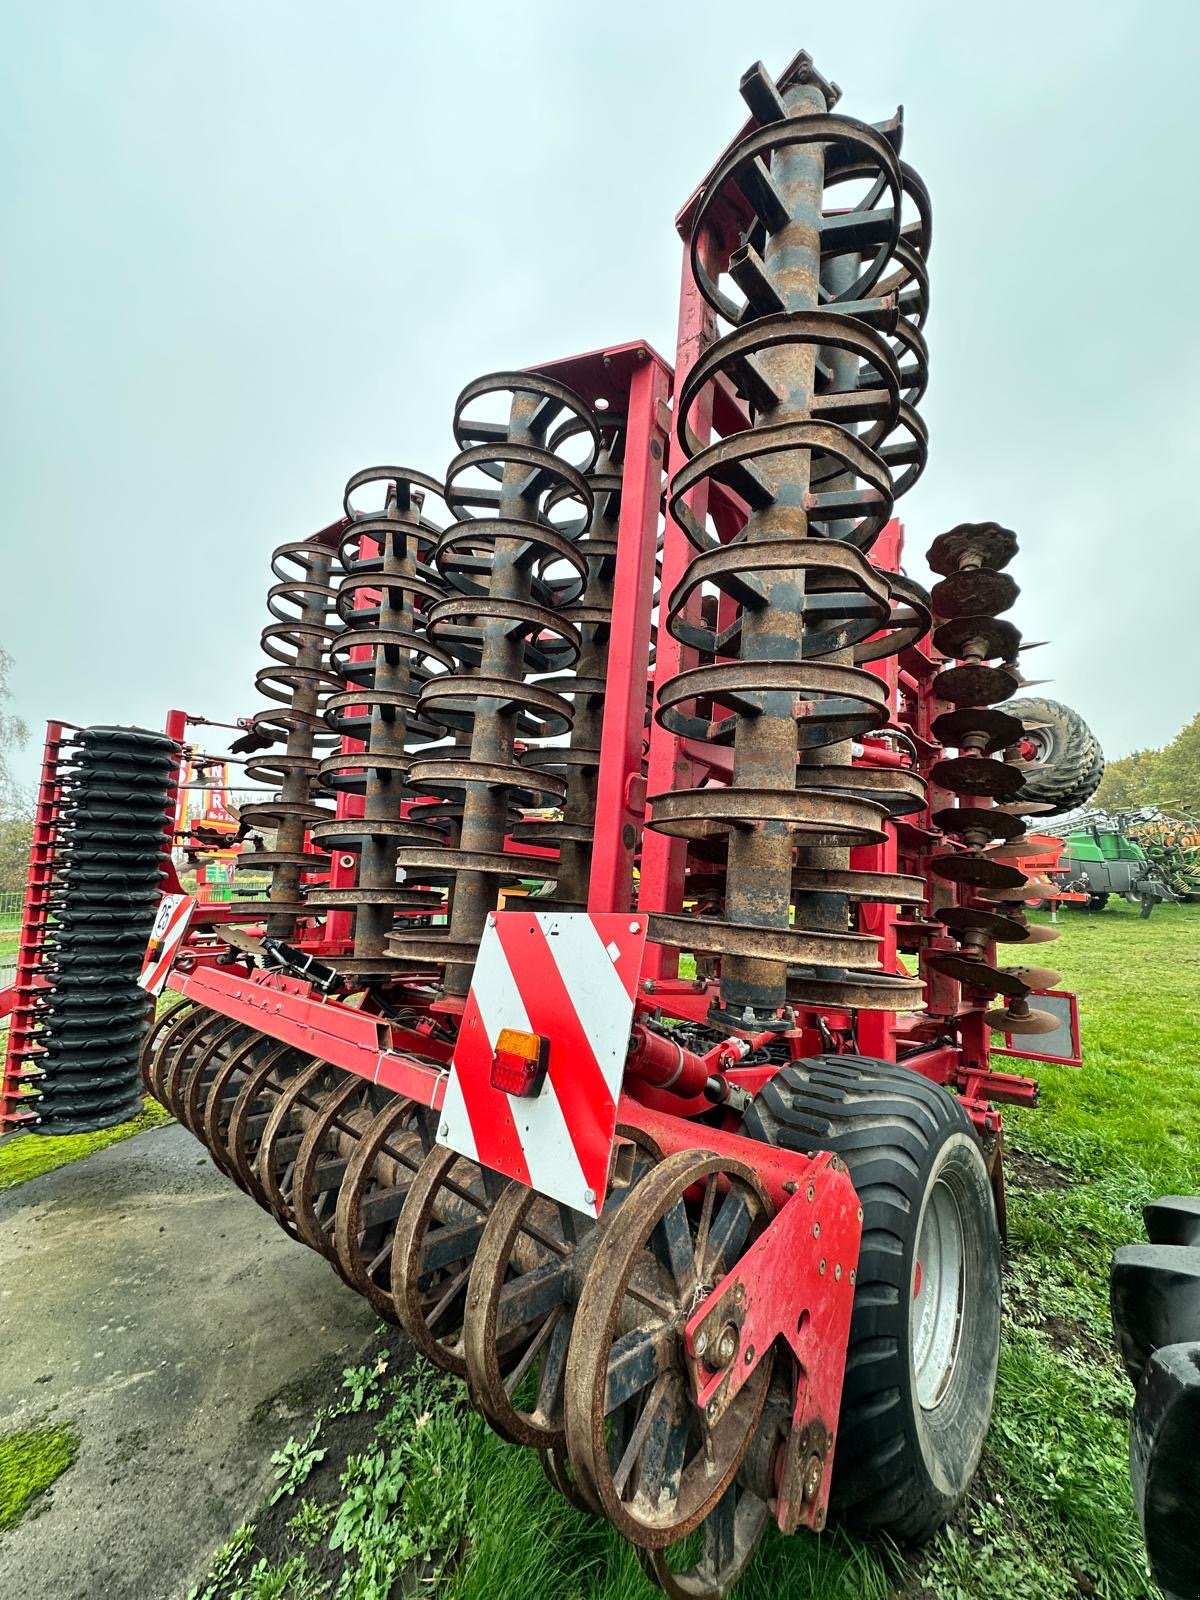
{"x": 372, "y": 1196}
{"x": 939, "y": 1288}
{"x": 556, "y": 1464}
{"x": 524, "y": 1289}
{"x": 168, "y": 1034}
{"x": 433, "y": 1251}
{"x": 329, "y": 1141}
{"x": 230, "y": 1113}
{"x": 520, "y": 1299}
{"x": 727, "y": 1539}
{"x": 637, "y": 1442}
{"x": 291, "y": 1116}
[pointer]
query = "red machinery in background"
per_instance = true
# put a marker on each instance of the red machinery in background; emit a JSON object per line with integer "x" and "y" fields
{"x": 764, "y": 945}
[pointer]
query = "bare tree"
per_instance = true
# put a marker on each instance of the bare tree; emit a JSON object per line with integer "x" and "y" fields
{"x": 13, "y": 733}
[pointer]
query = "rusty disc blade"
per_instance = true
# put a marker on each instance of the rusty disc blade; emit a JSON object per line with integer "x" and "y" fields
{"x": 978, "y": 775}
{"x": 1017, "y": 1018}
{"x": 978, "y": 638}
{"x": 979, "y": 871}
{"x": 974, "y": 593}
{"x": 974, "y": 974}
{"x": 974, "y": 684}
{"x": 1037, "y": 977}
{"x": 999, "y": 729}
{"x": 976, "y": 871}
{"x": 982, "y": 544}
{"x": 1042, "y": 933}
{"x": 1031, "y": 892}
{"x": 979, "y": 823}
{"x": 962, "y": 920}
{"x": 1027, "y": 808}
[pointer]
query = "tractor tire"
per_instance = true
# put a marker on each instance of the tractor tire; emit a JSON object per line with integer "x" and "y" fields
{"x": 1069, "y": 764}
{"x": 1155, "y": 1297}
{"x": 920, "y": 1364}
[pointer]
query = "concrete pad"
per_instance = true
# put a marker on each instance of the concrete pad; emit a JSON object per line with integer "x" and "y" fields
{"x": 151, "y": 1304}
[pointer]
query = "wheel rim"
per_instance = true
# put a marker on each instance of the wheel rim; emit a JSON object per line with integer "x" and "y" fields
{"x": 939, "y": 1283}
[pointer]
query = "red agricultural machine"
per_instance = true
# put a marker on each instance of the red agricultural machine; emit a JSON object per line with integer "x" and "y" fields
{"x": 689, "y": 1159}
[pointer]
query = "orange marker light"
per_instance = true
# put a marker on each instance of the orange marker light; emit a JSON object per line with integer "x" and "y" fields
{"x": 519, "y": 1062}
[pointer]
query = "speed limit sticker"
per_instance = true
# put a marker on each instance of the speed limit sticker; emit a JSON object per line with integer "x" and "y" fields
{"x": 170, "y": 925}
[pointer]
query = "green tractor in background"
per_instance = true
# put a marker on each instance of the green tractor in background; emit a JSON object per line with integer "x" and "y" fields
{"x": 1102, "y": 860}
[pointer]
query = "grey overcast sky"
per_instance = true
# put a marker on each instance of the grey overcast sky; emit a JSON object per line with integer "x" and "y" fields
{"x": 250, "y": 247}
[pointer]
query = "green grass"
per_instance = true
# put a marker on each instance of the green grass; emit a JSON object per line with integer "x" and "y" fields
{"x": 30, "y": 1461}
{"x": 28, "y": 1155}
{"x": 1051, "y": 1515}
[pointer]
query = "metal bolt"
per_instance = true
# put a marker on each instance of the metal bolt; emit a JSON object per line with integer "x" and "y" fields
{"x": 701, "y": 1341}
{"x": 812, "y": 1194}
{"x": 821, "y": 1268}
{"x": 739, "y": 1291}
{"x": 491, "y": 919}
{"x": 749, "y": 1355}
{"x": 727, "y": 1345}
{"x": 443, "y": 1130}
{"x": 789, "y": 1187}
{"x": 860, "y": 1213}
{"x": 829, "y": 1441}
{"x": 853, "y": 1275}
{"x": 712, "y": 1408}
{"x": 589, "y": 1196}
{"x": 812, "y": 1477}
{"x": 816, "y": 1230}
{"x": 634, "y": 926}
{"x": 837, "y": 1272}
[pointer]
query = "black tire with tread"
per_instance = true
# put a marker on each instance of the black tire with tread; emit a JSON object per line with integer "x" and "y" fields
{"x": 898, "y": 1470}
{"x": 1071, "y": 769}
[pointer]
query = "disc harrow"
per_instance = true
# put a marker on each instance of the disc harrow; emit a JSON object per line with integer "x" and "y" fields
{"x": 974, "y": 588}
{"x": 660, "y": 1214}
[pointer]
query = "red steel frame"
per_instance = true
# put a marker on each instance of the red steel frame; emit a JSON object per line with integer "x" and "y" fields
{"x": 19, "y": 1001}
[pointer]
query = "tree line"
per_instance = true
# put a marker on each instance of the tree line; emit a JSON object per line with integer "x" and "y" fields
{"x": 1168, "y": 778}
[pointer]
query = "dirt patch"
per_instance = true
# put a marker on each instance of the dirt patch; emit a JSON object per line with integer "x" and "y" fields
{"x": 1070, "y": 1336}
{"x": 342, "y": 1436}
{"x": 1025, "y": 1171}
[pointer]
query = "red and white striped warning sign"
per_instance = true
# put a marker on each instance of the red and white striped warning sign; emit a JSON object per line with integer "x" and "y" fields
{"x": 562, "y": 983}
{"x": 170, "y": 924}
